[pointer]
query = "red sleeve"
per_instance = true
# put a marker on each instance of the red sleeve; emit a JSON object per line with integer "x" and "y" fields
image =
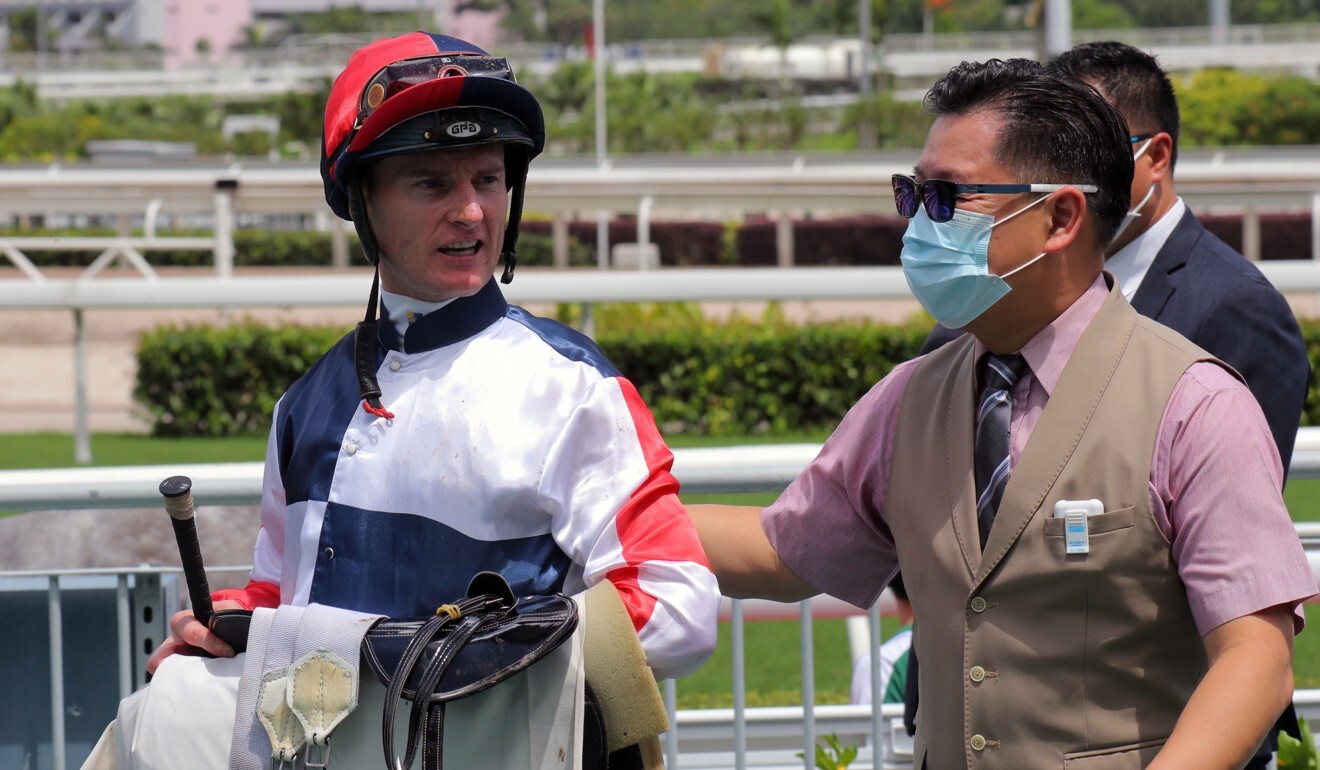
{"x": 253, "y": 595}
{"x": 653, "y": 526}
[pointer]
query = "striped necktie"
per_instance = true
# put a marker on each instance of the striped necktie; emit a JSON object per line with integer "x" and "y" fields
{"x": 998, "y": 375}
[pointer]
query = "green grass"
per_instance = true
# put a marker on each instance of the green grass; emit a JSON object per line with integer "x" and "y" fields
{"x": 55, "y": 450}
{"x": 774, "y": 679}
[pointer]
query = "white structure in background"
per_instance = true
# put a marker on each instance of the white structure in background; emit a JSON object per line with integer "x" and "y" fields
{"x": 196, "y": 32}
{"x": 187, "y": 31}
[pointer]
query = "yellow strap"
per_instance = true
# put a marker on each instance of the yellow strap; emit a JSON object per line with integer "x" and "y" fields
{"x": 451, "y": 610}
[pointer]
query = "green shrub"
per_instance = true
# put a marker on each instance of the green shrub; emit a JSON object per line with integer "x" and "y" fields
{"x": 746, "y": 378}
{"x": 737, "y": 378}
{"x": 222, "y": 381}
{"x": 742, "y": 377}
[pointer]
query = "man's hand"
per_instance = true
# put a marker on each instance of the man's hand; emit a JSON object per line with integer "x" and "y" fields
{"x": 189, "y": 637}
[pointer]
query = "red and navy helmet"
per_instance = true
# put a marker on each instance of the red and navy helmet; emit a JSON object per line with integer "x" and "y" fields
{"x": 421, "y": 91}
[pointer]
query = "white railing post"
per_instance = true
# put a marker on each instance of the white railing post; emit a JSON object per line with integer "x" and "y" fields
{"x": 21, "y": 261}
{"x": 224, "y": 227}
{"x": 338, "y": 244}
{"x": 1251, "y": 233}
{"x": 149, "y": 218}
{"x": 671, "y": 737}
{"x": 82, "y": 432}
{"x": 644, "y": 234}
{"x": 808, "y": 689}
{"x": 1315, "y": 226}
{"x": 877, "y": 697}
{"x": 738, "y": 639}
{"x": 56, "y": 673}
{"x": 123, "y": 622}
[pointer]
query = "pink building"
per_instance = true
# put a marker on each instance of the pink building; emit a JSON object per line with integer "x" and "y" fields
{"x": 199, "y": 31}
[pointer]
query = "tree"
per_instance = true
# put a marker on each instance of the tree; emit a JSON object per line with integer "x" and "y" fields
{"x": 23, "y": 24}
{"x": 778, "y": 20}
{"x": 1098, "y": 14}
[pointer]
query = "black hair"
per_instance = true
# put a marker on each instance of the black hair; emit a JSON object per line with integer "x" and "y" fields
{"x": 1055, "y": 129}
{"x": 1132, "y": 80}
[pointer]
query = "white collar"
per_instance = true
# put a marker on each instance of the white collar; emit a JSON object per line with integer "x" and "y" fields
{"x": 1130, "y": 263}
{"x": 403, "y": 309}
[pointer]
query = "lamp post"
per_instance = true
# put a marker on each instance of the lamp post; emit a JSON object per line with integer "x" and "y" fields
{"x": 1219, "y": 22}
{"x": 602, "y": 216}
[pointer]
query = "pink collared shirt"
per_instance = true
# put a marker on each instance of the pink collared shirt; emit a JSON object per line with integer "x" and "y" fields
{"x": 1214, "y": 487}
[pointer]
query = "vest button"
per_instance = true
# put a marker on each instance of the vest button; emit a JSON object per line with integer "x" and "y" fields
{"x": 978, "y": 604}
{"x": 978, "y": 742}
{"x": 976, "y": 674}
{"x": 395, "y": 366}
{"x": 350, "y": 449}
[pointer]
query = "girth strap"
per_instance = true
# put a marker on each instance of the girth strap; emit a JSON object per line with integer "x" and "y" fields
{"x": 464, "y": 617}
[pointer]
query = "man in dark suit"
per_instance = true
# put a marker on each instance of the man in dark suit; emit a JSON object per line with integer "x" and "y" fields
{"x": 1175, "y": 271}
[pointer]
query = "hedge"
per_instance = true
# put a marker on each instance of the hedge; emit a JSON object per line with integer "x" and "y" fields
{"x": 221, "y": 381}
{"x": 739, "y": 378}
{"x": 735, "y": 379}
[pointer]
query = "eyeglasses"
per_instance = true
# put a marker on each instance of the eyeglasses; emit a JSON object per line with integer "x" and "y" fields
{"x": 941, "y": 197}
{"x": 1139, "y": 138}
{"x": 404, "y": 74}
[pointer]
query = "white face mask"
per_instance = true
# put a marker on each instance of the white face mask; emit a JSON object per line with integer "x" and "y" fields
{"x": 1135, "y": 213}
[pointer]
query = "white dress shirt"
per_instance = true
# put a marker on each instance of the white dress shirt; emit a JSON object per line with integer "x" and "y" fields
{"x": 1130, "y": 263}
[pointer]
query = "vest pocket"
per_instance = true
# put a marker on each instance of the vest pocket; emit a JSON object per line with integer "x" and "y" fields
{"x": 1109, "y": 521}
{"x": 1133, "y": 756}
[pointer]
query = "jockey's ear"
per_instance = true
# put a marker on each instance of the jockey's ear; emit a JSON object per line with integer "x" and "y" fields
{"x": 616, "y": 670}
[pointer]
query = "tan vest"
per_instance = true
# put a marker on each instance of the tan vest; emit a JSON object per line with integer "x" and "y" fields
{"x": 1032, "y": 658}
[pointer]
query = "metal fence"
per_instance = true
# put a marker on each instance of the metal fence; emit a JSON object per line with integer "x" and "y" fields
{"x": 739, "y": 737}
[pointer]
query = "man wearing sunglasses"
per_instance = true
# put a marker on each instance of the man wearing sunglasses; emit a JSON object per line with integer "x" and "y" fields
{"x": 459, "y": 433}
{"x": 1067, "y": 489}
{"x": 1175, "y": 271}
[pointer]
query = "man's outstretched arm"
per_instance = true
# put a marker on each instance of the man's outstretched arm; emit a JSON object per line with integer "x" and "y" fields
{"x": 741, "y": 556}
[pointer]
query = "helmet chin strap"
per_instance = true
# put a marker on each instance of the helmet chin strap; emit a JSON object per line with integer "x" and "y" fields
{"x": 357, "y": 208}
{"x": 511, "y": 230}
{"x": 365, "y": 336}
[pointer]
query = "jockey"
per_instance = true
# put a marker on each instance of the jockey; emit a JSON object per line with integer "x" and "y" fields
{"x": 459, "y": 433}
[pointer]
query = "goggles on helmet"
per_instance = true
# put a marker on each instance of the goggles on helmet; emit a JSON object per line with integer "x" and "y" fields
{"x": 405, "y": 74}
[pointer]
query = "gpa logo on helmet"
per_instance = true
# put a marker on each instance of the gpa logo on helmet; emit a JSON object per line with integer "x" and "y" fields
{"x": 464, "y": 129}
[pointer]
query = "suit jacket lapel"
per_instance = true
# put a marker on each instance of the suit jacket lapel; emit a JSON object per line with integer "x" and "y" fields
{"x": 1161, "y": 279}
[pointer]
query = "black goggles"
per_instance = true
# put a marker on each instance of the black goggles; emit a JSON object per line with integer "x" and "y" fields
{"x": 402, "y": 75}
{"x": 940, "y": 197}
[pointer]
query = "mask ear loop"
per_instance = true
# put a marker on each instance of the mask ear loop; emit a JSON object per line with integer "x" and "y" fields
{"x": 1034, "y": 259}
{"x": 1150, "y": 190}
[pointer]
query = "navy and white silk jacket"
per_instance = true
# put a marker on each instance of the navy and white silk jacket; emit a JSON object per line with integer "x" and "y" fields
{"x": 515, "y": 447}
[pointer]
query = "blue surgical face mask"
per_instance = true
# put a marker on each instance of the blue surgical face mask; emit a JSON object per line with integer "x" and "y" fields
{"x": 946, "y": 264}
